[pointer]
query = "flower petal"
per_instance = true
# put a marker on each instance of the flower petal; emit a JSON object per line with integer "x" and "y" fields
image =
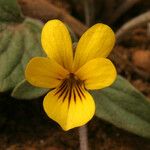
{"x": 44, "y": 72}
{"x": 57, "y": 43}
{"x": 97, "y": 73}
{"x": 96, "y": 42}
{"x": 69, "y": 113}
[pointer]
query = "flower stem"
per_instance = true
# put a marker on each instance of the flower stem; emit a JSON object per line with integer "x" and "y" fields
{"x": 83, "y": 138}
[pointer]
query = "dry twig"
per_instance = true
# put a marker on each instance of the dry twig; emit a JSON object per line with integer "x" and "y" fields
{"x": 44, "y": 10}
{"x": 137, "y": 21}
{"x": 122, "y": 9}
{"x": 89, "y": 11}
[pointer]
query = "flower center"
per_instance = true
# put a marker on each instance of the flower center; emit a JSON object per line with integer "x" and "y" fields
{"x": 71, "y": 88}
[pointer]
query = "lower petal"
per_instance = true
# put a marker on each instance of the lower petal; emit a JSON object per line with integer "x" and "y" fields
{"x": 71, "y": 110}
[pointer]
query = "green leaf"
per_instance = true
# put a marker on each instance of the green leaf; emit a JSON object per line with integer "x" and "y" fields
{"x": 72, "y": 34}
{"x": 24, "y": 90}
{"x": 124, "y": 106}
{"x": 18, "y": 44}
{"x": 10, "y": 11}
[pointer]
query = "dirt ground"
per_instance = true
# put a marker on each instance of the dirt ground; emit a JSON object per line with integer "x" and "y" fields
{"x": 25, "y": 126}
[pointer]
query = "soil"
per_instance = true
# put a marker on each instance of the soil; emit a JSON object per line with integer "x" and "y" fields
{"x": 25, "y": 126}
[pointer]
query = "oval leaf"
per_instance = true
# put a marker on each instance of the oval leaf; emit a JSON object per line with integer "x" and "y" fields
{"x": 24, "y": 90}
{"x": 18, "y": 44}
{"x": 124, "y": 106}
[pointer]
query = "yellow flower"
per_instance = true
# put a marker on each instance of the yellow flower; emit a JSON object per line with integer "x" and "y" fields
{"x": 71, "y": 75}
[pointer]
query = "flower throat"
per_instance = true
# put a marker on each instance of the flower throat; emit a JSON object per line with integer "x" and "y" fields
{"x": 71, "y": 88}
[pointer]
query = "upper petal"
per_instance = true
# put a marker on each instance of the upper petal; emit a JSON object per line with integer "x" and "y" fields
{"x": 69, "y": 111}
{"x": 97, "y": 41}
{"x": 44, "y": 72}
{"x": 57, "y": 43}
{"x": 97, "y": 73}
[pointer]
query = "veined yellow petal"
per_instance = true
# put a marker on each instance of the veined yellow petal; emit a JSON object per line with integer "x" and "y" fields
{"x": 57, "y": 43}
{"x": 97, "y": 73}
{"x": 44, "y": 72}
{"x": 67, "y": 110}
{"x": 96, "y": 42}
